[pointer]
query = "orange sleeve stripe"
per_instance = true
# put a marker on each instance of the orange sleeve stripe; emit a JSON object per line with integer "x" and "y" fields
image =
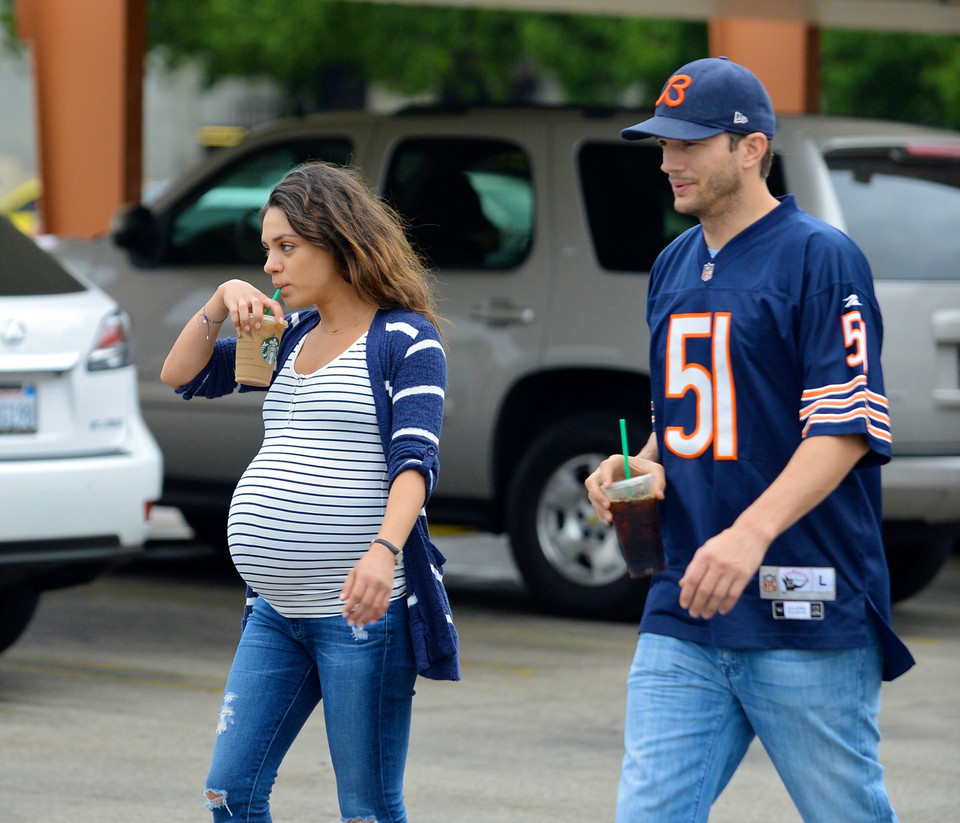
{"x": 860, "y": 400}
{"x": 861, "y": 412}
{"x": 878, "y": 433}
{"x": 834, "y": 388}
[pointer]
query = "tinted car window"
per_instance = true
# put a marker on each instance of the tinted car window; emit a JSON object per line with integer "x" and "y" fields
{"x": 219, "y": 224}
{"x": 629, "y": 204}
{"x": 469, "y": 203}
{"x": 26, "y": 270}
{"x": 902, "y": 207}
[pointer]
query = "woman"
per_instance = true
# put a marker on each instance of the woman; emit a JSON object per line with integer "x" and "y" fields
{"x": 326, "y": 525}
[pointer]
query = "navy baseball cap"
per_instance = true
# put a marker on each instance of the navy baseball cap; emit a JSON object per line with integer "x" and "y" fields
{"x": 707, "y": 97}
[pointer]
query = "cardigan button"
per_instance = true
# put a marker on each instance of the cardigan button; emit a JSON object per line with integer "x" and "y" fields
{"x": 430, "y": 451}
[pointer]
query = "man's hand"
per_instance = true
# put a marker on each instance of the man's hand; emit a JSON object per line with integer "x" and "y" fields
{"x": 720, "y": 571}
{"x": 722, "y": 567}
{"x": 611, "y": 470}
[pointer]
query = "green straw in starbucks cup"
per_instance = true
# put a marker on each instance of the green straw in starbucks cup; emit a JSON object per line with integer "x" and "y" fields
{"x": 276, "y": 294}
{"x": 623, "y": 441}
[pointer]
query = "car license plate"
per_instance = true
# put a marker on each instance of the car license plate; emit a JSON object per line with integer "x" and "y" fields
{"x": 18, "y": 409}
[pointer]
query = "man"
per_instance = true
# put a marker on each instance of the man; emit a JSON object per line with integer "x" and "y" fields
{"x": 772, "y": 617}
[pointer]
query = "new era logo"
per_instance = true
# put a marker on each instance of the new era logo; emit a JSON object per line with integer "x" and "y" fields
{"x": 740, "y": 118}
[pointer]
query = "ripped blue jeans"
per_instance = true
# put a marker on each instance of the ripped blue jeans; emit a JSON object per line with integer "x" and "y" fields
{"x": 282, "y": 669}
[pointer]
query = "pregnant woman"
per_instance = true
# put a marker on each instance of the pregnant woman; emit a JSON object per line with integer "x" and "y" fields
{"x": 327, "y": 526}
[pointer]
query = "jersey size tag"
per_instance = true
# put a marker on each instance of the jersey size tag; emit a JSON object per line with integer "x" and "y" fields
{"x": 798, "y": 583}
{"x": 797, "y": 610}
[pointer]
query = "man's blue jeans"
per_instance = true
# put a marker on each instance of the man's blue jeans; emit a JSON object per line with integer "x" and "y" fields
{"x": 282, "y": 669}
{"x": 693, "y": 710}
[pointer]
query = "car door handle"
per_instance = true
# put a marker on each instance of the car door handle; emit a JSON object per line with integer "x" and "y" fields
{"x": 946, "y": 326}
{"x": 946, "y": 332}
{"x": 500, "y": 311}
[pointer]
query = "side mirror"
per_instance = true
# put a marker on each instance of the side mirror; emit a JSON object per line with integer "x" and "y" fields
{"x": 135, "y": 230}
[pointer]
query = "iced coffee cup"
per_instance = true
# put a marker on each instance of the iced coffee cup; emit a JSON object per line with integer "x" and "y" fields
{"x": 634, "y": 509}
{"x": 257, "y": 351}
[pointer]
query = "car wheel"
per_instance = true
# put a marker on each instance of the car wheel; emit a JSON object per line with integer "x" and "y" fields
{"x": 569, "y": 560}
{"x": 913, "y": 566}
{"x": 17, "y": 606}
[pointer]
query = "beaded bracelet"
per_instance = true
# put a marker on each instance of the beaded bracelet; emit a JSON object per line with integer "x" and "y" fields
{"x": 207, "y": 321}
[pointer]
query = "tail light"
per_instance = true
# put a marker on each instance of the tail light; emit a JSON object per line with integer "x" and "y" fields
{"x": 112, "y": 349}
{"x": 933, "y": 151}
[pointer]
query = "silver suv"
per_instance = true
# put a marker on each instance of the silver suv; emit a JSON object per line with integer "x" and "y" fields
{"x": 543, "y": 225}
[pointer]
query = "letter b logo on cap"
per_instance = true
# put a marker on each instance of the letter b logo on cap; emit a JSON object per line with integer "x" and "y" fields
{"x": 674, "y": 92}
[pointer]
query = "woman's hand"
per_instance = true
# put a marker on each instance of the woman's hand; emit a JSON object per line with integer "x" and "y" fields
{"x": 366, "y": 592}
{"x": 246, "y": 304}
{"x": 237, "y": 300}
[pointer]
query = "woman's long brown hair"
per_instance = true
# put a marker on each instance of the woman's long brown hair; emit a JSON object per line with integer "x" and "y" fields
{"x": 333, "y": 208}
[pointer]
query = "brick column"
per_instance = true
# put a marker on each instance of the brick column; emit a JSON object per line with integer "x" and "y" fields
{"x": 88, "y": 75}
{"x": 784, "y": 54}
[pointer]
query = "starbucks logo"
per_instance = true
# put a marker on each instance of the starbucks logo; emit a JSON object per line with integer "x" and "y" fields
{"x": 269, "y": 349}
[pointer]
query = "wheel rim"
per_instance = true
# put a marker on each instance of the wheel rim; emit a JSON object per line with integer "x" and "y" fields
{"x": 572, "y": 537}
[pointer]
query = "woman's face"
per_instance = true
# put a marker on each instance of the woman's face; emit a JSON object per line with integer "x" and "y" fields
{"x": 305, "y": 273}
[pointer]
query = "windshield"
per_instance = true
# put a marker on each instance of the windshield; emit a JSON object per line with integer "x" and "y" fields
{"x": 902, "y": 207}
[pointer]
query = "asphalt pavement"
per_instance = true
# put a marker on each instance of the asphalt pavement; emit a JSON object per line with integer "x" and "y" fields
{"x": 109, "y": 701}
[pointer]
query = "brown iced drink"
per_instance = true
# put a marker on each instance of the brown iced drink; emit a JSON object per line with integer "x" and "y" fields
{"x": 257, "y": 351}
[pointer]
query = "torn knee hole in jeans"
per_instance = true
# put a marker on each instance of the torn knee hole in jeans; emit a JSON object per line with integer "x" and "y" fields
{"x": 360, "y": 820}
{"x": 226, "y": 713}
{"x": 217, "y": 799}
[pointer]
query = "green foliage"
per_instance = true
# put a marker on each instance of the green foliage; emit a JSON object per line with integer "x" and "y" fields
{"x": 292, "y": 43}
{"x": 596, "y": 58}
{"x": 9, "y": 45}
{"x": 895, "y": 76}
{"x": 323, "y": 52}
{"x": 461, "y": 54}
{"x": 464, "y": 54}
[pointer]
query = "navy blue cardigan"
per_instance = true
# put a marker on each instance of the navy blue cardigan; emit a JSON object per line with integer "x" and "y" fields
{"x": 410, "y": 442}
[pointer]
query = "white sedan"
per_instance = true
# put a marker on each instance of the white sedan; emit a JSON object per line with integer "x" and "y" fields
{"x": 79, "y": 469}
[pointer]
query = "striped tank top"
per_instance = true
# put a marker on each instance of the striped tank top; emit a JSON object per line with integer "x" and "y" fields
{"x": 310, "y": 502}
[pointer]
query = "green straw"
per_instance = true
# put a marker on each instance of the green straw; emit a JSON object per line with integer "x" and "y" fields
{"x": 276, "y": 294}
{"x": 623, "y": 440}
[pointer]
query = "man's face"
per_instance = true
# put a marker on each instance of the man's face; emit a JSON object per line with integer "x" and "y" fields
{"x": 705, "y": 175}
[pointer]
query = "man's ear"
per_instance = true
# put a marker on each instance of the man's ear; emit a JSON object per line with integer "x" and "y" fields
{"x": 752, "y": 149}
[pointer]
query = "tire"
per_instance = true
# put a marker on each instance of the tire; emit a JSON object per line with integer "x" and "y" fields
{"x": 914, "y": 559}
{"x": 17, "y": 605}
{"x": 569, "y": 560}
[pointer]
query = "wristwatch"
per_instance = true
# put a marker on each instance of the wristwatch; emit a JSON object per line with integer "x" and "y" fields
{"x": 397, "y": 553}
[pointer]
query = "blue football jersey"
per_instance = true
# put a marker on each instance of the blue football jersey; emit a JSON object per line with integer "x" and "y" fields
{"x": 774, "y": 339}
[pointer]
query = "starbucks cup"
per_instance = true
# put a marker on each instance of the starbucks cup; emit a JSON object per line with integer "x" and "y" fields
{"x": 634, "y": 509}
{"x": 257, "y": 351}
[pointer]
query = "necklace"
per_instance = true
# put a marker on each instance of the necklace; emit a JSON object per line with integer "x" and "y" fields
{"x": 324, "y": 330}
{"x": 338, "y": 329}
